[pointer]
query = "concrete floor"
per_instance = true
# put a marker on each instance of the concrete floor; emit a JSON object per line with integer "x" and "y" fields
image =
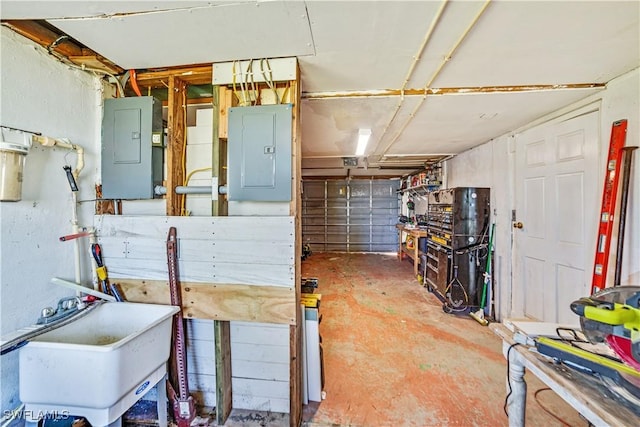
{"x": 394, "y": 358}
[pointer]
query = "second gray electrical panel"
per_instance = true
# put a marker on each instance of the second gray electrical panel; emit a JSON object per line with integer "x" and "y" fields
{"x": 132, "y": 147}
{"x": 259, "y": 153}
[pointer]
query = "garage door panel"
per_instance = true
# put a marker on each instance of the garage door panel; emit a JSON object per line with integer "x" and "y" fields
{"x": 358, "y": 215}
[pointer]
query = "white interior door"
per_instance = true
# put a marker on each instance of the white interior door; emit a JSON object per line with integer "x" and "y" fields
{"x": 556, "y": 202}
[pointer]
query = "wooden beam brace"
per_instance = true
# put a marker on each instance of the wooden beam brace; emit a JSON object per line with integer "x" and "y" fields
{"x": 176, "y": 155}
{"x": 386, "y": 93}
{"x": 193, "y": 75}
{"x": 219, "y": 301}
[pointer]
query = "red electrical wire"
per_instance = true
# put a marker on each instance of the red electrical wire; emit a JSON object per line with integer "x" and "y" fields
{"x": 535, "y": 397}
{"x": 134, "y": 82}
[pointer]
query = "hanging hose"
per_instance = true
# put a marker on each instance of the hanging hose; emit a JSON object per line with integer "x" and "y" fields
{"x": 455, "y": 294}
{"x": 487, "y": 271}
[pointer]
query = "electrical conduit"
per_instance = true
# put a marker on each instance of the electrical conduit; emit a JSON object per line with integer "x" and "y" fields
{"x": 444, "y": 61}
{"x": 47, "y": 141}
{"x": 416, "y": 59}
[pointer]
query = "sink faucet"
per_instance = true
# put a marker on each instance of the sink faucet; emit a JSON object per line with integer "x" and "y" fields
{"x": 66, "y": 307}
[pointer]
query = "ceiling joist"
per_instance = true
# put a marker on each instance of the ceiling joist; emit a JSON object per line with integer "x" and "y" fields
{"x": 192, "y": 75}
{"x": 61, "y": 44}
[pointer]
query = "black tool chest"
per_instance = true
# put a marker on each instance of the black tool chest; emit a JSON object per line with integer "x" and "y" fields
{"x": 457, "y": 239}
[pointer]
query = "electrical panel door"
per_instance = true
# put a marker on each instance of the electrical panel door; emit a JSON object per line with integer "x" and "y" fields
{"x": 132, "y": 147}
{"x": 259, "y": 153}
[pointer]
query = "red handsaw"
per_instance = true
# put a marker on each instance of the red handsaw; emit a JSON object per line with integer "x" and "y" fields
{"x": 178, "y": 387}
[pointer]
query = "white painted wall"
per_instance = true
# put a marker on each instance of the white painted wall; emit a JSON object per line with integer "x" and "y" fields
{"x": 492, "y": 165}
{"x": 42, "y": 95}
{"x": 622, "y": 101}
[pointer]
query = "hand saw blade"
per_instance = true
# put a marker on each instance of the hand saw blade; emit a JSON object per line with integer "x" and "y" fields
{"x": 596, "y": 332}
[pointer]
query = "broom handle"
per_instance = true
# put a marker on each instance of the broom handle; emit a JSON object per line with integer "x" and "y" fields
{"x": 487, "y": 270}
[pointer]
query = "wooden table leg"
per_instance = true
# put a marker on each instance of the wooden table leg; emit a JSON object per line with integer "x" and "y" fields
{"x": 517, "y": 401}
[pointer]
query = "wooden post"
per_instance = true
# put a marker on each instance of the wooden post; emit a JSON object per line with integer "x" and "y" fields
{"x": 177, "y": 143}
{"x": 295, "y": 333}
{"x": 222, "y": 329}
{"x": 224, "y": 395}
{"x": 219, "y": 161}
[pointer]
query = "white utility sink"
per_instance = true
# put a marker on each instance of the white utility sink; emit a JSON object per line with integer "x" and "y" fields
{"x": 98, "y": 365}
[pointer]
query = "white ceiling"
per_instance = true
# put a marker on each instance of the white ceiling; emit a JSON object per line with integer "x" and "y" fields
{"x": 372, "y": 45}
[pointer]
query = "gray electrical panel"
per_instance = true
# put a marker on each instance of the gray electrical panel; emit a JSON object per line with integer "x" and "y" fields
{"x": 259, "y": 153}
{"x": 132, "y": 147}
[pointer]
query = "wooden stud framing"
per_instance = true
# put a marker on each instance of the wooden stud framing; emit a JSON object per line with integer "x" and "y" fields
{"x": 222, "y": 329}
{"x": 219, "y": 161}
{"x": 295, "y": 331}
{"x": 226, "y": 100}
{"x": 177, "y": 143}
{"x": 193, "y": 75}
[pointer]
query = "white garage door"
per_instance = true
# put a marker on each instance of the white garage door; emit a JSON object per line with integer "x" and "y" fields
{"x": 357, "y": 215}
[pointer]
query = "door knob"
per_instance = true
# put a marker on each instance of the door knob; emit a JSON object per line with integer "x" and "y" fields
{"x": 518, "y": 224}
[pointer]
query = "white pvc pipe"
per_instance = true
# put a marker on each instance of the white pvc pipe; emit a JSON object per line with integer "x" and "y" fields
{"x": 436, "y": 73}
{"x": 47, "y": 141}
{"x": 427, "y": 37}
{"x": 76, "y": 243}
{"x": 82, "y": 289}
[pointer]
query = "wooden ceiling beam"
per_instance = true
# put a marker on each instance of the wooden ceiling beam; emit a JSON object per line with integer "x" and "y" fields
{"x": 192, "y": 75}
{"x": 76, "y": 53}
{"x": 44, "y": 37}
{"x": 381, "y": 93}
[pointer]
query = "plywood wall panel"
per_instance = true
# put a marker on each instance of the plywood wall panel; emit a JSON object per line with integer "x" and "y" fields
{"x": 233, "y": 228}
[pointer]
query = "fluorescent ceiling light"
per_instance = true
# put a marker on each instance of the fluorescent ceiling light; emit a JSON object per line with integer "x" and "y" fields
{"x": 363, "y": 139}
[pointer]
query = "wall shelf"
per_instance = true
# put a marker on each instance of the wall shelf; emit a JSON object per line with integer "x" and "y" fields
{"x": 419, "y": 191}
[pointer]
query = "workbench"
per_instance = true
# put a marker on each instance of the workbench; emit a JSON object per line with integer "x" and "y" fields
{"x": 414, "y": 253}
{"x": 585, "y": 393}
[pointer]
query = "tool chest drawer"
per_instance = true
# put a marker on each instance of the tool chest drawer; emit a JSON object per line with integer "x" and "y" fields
{"x": 436, "y": 267}
{"x": 457, "y": 236}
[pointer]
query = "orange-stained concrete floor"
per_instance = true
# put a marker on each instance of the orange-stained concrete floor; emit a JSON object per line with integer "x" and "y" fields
{"x": 392, "y": 357}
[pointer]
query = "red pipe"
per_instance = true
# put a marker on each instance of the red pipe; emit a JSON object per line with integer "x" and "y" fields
{"x": 73, "y": 236}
